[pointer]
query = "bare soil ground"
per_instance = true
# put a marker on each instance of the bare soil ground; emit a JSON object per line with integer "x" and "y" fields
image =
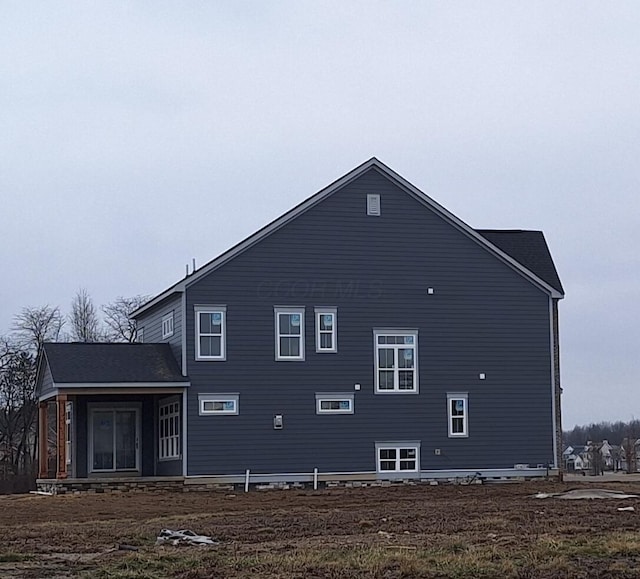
{"x": 495, "y": 530}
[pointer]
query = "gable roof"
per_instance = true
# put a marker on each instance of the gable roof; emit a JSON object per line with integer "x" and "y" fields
{"x": 394, "y": 177}
{"x": 528, "y": 248}
{"x": 93, "y": 363}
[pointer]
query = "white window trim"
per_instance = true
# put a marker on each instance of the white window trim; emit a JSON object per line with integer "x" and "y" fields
{"x": 334, "y": 330}
{"x": 396, "y": 389}
{"x": 167, "y": 325}
{"x": 465, "y": 417}
{"x": 234, "y": 397}
{"x": 223, "y": 331}
{"x": 397, "y": 446}
{"x": 333, "y": 397}
{"x": 289, "y": 310}
{"x": 164, "y": 442}
{"x": 140, "y": 335}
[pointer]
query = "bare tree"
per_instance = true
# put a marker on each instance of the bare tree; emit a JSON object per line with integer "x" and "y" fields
{"x": 34, "y": 326}
{"x": 116, "y": 316}
{"x": 17, "y": 407}
{"x": 83, "y": 319}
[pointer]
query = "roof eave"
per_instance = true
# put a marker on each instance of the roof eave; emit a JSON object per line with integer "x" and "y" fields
{"x": 281, "y": 221}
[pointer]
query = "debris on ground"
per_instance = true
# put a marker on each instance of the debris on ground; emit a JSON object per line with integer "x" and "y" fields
{"x": 629, "y": 509}
{"x": 183, "y": 537}
{"x": 586, "y": 494}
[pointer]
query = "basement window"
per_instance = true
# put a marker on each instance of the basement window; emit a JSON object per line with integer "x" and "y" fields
{"x": 397, "y": 457}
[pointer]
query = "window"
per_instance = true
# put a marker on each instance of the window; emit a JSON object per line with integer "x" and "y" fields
{"x": 169, "y": 430}
{"x": 140, "y": 335}
{"x": 68, "y": 419}
{"x": 334, "y": 403}
{"x": 396, "y": 363}
{"x": 326, "y": 330}
{"x": 397, "y": 457}
{"x": 289, "y": 333}
{"x": 218, "y": 404}
{"x": 167, "y": 325}
{"x": 458, "y": 419}
{"x": 211, "y": 333}
{"x": 373, "y": 204}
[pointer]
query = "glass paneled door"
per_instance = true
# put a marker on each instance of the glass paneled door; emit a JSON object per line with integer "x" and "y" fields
{"x": 114, "y": 439}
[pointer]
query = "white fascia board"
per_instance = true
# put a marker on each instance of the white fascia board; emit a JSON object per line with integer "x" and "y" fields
{"x": 64, "y": 385}
{"x": 323, "y": 194}
{"x": 462, "y": 226}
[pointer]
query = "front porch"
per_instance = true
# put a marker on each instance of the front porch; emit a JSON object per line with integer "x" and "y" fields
{"x": 109, "y": 411}
{"x": 111, "y": 435}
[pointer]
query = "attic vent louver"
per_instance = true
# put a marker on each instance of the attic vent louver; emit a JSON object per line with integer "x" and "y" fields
{"x": 373, "y": 204}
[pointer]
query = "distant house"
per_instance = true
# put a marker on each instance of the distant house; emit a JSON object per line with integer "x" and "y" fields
{"x": 366, "y": 334}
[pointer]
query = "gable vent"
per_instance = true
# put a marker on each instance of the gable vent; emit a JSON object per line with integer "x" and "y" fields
{"x": 373, "y": 204}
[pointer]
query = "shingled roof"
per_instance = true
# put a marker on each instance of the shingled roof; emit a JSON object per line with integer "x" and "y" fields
{"x": 529, "y": 248}
{"x": 112, "y": 363}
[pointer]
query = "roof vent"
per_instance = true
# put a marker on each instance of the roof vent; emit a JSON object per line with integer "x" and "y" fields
{"x": 373, "y": 204}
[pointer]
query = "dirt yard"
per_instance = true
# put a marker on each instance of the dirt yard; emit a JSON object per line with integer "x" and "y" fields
{"x": 495, "y": 530}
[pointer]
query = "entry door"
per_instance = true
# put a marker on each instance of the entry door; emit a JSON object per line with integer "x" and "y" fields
{"x": 114, "y": 440}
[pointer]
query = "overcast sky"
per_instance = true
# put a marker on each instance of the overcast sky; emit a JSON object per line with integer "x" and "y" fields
{"x": 135, "y": 136}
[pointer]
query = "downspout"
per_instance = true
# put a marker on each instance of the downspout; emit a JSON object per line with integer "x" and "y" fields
{"x": 557, "y": 388}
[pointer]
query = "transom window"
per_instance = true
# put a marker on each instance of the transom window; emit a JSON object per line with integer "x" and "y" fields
{"x": 334, "y": 403}
{"x": 396, "y": 364}
{"x": 218, "y": 403}
{"x": 326, "y": 330}
{"x": 211, "y": 333}
{"x": 289, "y": 333}
{"x": 167, "y": 325}
{"x": 458, "y": 415}
{"x": 397, "y": 458}
{"x": 169, "y": 430}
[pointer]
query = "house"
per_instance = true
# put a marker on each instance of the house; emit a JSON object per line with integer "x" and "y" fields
{"x": 366, "y": 334}
{"x": 576, "y": 459}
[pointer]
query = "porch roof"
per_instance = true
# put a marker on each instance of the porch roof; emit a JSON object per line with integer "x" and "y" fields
{"x": 103, "y": 364}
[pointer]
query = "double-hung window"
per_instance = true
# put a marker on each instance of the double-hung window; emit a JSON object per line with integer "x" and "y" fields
{"x": 326, "y": 330}
{"x": 397, "y": 457}
{"x": 396, "y": 361}
{"x": 458, "y": 415}
{"x": 289, "y": 333}
{"x": 169, "y": 430}
{"x": 167, "y": 325}
{"x": 211, "y": 332}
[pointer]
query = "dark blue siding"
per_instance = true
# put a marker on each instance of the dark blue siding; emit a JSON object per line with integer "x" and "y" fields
{"x": 482, "y": 317}
{"x": 46, "y": 382}
{"x": 152, "y": 324}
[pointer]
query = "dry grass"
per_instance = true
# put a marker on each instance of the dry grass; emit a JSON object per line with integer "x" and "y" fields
{"x": 421, "y": 532}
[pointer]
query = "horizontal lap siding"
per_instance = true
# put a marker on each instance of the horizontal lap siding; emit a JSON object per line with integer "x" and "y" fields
{"x": 46, "y": 383}
{"x": 482, "y": 317}
{"x": 152, "y": 324}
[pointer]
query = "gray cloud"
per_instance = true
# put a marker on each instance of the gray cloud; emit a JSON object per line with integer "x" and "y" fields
{"x": 137, "y": 135}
